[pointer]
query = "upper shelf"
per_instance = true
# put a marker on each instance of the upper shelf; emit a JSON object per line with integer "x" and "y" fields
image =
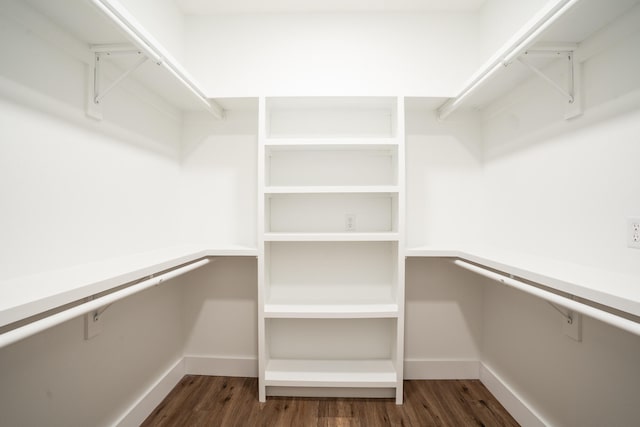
{"x": 561, "y": 26}
{"x": 331, "y": 121}
{"x": 106, "y": 22}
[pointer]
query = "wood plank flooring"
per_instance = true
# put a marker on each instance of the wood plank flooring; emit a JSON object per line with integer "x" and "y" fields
{"x": 231, "y": 401}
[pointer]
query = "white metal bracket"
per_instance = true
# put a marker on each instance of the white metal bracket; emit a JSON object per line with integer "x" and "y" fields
{"x": 572, "y": 326}
{"x": 96, "y": 93}
{"x": 572, "y": 91}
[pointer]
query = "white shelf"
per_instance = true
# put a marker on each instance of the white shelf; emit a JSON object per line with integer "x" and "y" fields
{"x": 92, "y": 25}
{"x": 618, "y": 291}
{"x": 574, "y": 26}
{"x": 27, "y": 296}
{"x": 330, "y": 311}
{"x": 332, "y": 189}
{"x": 330, "y": 373}
{"x": 359, "y": 143}
{"x": 332, "y": 237}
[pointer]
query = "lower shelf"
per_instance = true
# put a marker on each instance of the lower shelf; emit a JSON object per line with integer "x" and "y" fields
{"x": 330, "y": 373}
{"x": 329, "y": 311}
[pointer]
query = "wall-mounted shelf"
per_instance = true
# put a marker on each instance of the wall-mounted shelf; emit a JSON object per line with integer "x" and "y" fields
{"x": 564, "y": 23}
{"x": 332, "y": 237}
{"x": 614, "y": 290}
{"x": 23, "y": 297}
{"x": 99, "y": 24}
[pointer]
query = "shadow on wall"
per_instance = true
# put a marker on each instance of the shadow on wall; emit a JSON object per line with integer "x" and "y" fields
{"x": 443, "y": 311}
{"x": 220, "y": 309}
{"x": 568, "y": 383}
{"x": 219, "y": 178}
{"x": 465, "y": 128}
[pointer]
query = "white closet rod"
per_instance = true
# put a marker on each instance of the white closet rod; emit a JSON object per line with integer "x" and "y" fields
{"x": 33, "y": 328}
{"x": 578, "y": 307}
{"x": 517, "y": 49}
{"x": 119, "y": 16}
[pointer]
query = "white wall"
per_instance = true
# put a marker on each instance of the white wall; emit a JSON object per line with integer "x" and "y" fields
{"x": 56, "y": 378}
{"x": 444, "y": 178}
{"x": 221, "y": 311}
{"x": 331, "y": 54}
{"x": 444, "y": 320}
{"x": 444, "y": 310}
{"x": 219, "y": 178}
{"x": 75, "y": 190}
{"x": 573, "y": 183}
{"x": 564, "y": 190}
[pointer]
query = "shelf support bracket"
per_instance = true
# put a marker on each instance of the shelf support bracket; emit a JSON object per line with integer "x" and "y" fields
{"x": 567, "y": 316}
{"x": 571, "y": 92}
{"x": 97, "y": 94}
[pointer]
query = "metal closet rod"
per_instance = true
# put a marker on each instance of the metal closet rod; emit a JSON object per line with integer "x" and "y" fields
{"x": 518, "y": 48}
{"x": 40, "y": 325}
{"x": 575, "y": 306}
{"x": 147, "y": 47}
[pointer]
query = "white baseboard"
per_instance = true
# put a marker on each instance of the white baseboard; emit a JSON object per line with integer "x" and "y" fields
{"x": 511, "y": 401}
{"x": 222, "y": 366}
{"x": 429, "y": 369}
{"x": 414, "y": 369}
{"x": 150, "y": 399}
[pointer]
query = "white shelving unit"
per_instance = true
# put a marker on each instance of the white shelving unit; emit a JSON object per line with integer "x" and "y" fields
{"x": 331, "y": 261}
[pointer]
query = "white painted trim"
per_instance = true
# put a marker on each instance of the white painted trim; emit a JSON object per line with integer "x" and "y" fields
{"x": 429, "y": 369}
{"x": 339, "y": 392}
{"x": 150, "y": 399}
{"x": 512, "y": 401}
{"x": 414, "y": 369}
{"x": 222, "y": 366}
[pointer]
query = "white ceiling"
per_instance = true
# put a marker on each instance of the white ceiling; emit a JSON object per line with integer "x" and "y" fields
{"x": 203, "y": 7}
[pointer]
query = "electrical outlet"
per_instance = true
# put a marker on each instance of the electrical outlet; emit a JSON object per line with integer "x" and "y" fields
{"x": 633, "y": 233}
{"x": 350, "y": 222}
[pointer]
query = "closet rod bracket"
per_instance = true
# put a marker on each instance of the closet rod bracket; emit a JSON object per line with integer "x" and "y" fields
{"x": 571, "y": 91}
{"x": 101, "y": 52}
{"x": 567, "y": 316}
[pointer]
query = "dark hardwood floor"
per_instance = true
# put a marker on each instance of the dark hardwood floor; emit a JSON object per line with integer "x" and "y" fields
{"x": 229, "y": 401}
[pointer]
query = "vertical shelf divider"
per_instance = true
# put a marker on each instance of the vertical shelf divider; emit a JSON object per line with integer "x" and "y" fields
{"x": 262, "y": 273}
